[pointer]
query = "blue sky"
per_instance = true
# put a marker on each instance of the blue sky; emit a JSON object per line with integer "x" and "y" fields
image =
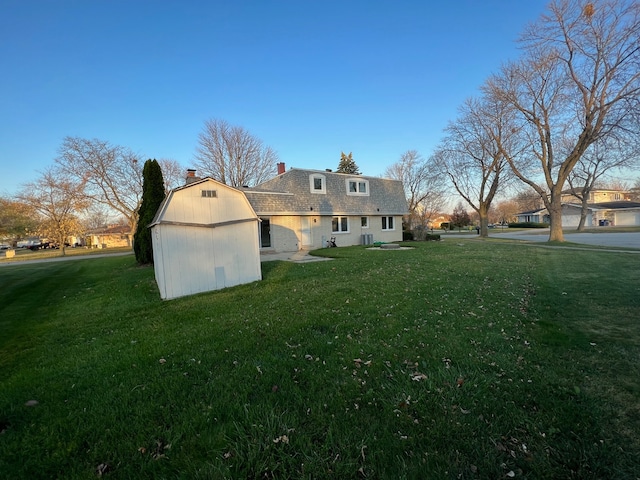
{"x": 310, "y": 78}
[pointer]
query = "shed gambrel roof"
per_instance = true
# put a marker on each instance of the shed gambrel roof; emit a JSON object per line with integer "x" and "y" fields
{"x": 290, "y": 194}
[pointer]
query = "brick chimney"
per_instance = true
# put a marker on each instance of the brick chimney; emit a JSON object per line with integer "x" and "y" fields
{"x": 191, "y": 176}
{"x": 281, "y": 168}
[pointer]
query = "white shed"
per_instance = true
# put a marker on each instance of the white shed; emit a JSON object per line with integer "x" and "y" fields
{"x": 205, "y": 237}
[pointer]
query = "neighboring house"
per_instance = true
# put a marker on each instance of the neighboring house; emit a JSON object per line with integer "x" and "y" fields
{"x": 621, "y": 213}
{"x": 539, "y": 215}
{"x": 108, "y": 237}
{"x": 205, "y": 237}
{"x": 596, "y": 195}
{"x": 303, "y": 209}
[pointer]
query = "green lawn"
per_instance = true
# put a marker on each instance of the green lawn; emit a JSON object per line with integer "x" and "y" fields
{"x": 457, "y": 359}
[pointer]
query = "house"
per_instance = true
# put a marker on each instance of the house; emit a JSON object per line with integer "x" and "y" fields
{"x": 539, "y": 215}
{"x": 620, "y": 213}
{"x": 303, "y": 209}
{"x": 109, "y": 236}
{"x": 596, "y": 195}
{"x": 205, "y": 237}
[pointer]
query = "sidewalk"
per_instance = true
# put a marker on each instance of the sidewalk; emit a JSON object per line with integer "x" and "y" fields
{"x": 301, "y": 256}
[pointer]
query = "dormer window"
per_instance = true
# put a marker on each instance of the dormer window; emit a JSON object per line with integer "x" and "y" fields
{"x": 317, "y": 183}
{"x": 357, "y": 186}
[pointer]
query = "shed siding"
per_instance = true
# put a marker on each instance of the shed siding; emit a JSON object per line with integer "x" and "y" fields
{"x": 198, "y": 259}
{"x": 202, "y": 244}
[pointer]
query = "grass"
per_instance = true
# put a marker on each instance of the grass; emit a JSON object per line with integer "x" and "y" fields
{"x": 459, "y": 359}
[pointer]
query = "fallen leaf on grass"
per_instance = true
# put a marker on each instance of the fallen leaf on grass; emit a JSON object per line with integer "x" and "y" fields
{"x": 281, "y": 439}
{"x": 102, "y": 469}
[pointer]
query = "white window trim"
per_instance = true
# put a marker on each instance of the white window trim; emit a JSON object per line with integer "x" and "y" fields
{"x": 340, "y": 217}
{"x": 322, "y": 178}
{"x": 368, "y": 222}
{"x": 358, "y": 181}
{"x": 393, "y": 221}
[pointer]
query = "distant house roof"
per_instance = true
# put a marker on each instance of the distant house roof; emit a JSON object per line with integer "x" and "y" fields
{"x": 615, "y": 205}
{"x": 532, "y": 212}
{"x": 291, "y": 193}
{"x": 110, "y": 230}
{"x": 578, "y": 190}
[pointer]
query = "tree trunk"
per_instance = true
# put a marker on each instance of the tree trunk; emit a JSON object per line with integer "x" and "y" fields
{"x": 483, "y": 214}
{"x": 583, "y": 212}
{"x": 555, "y": 215}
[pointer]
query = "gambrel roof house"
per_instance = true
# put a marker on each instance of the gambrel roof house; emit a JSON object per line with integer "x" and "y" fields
{"x": 303, "y": 209}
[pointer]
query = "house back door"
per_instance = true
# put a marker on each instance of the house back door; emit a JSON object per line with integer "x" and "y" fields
{"x": 265, "y": 233}
{"x": 305, "y": 231}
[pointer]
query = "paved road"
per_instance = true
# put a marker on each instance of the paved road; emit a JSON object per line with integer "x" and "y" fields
{"x": 64, "y": 259}
{"x": 604, "y": 239}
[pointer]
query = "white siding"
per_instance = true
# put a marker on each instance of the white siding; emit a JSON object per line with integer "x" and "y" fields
{"x": 202, "y": 244}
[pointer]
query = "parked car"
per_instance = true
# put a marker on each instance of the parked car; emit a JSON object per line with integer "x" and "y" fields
{"x": 4, "y": 246}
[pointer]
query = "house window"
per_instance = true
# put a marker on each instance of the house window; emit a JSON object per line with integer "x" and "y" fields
{"x": 339, "y": 225}
{"x": 387, "y": 223}
{"x": 357, "y": 186}
{"x": 209, "y": 193}
{"x": 317, "y": 183}
{"x": 364, "y": 222}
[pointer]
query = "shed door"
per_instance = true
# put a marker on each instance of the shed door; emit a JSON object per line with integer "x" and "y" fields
{"x": 305, "y": 231}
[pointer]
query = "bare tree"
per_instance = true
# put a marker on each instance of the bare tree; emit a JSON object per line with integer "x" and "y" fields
{"x": 528, "y": 199}
{"x": 634, "y": 193}
{"x": 423, "y": 186}
{"x": 172, "y": 172}
{"x": 111, "y": 175}
{"x": 59, "y": 201}
{"x": 577, "y": 83}
{"x": 597, "y": 162}
{"x": 471, "y": 158}
{"x": 233, "y": 156}
{"x": 505, "y": 211}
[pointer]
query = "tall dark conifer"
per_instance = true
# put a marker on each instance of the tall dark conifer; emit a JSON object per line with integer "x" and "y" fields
{"x": 152, "y": 197}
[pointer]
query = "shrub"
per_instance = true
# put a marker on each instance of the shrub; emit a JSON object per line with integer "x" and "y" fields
{"x": 528, "y": 225}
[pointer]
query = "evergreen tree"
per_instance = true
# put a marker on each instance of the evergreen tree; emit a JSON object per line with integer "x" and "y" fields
{"x": 152, "y": 197}
{"x": 347, "y": 165}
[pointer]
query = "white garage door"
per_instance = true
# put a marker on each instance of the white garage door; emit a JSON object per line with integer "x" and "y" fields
{"x": 627, "y": 218}
{"x": 570, "y": 220}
